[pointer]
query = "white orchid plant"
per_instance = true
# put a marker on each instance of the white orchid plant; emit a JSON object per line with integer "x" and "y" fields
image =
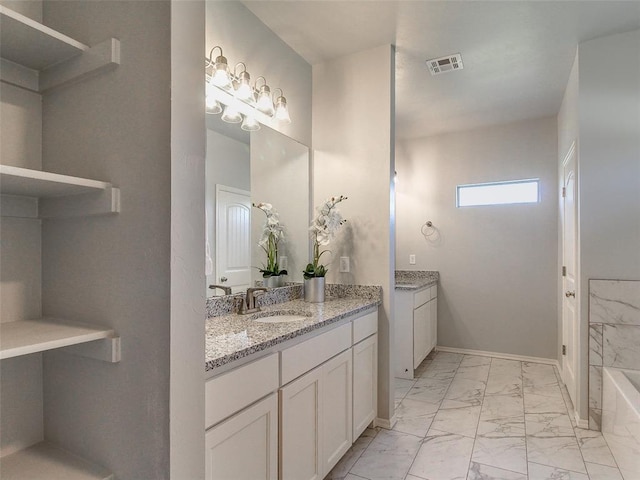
{"x": 272, "y": 233}
{"x": 323, "y": 228}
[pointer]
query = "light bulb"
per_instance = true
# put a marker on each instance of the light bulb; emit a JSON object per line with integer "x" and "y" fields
{"x": 212, "y": 104}
{"x": 244, "y": 91}
{"x": 220, "y": 76}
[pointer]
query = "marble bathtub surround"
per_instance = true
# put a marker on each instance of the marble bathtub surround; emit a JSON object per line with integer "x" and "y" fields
{"x": 415, "y": 279}
{"x": 520, "y": 429}
{"x": 232, "y": 336}
{"x": 614, "y": 335}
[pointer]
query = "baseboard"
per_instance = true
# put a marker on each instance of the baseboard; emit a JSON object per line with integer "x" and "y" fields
{"x": 506, "y": 356}
{"x": 581, "y": 422}
{"x": 386, "y": 424}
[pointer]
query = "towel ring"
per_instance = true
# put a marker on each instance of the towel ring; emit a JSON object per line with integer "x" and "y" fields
{"x": 428, "y": 229}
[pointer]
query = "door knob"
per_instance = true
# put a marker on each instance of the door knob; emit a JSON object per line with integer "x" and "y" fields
{"x": 570, "y": 294}
{"x": 223, "y": 279}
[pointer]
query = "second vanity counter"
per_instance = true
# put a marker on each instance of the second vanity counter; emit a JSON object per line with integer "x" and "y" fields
{"x": 232, "y": 337}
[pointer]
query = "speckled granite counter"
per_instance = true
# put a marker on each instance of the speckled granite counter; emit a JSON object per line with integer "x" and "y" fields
{"x": 231, "y": 337}
{"x": 415, "y": 279}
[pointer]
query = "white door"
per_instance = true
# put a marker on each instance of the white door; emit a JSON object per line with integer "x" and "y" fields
{"x": 245, "y": 447}
{"x": 337, "y": 409}
{"x": 300, "y": 428}
{"x": 365, "y": 384}
{"x": 434, "y": 322}
{"x": 233, "y": 238}
{"x": 570, "y": 316}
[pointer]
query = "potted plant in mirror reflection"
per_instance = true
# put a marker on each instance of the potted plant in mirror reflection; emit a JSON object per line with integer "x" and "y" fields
{"x": 272, "y": 234}
{"x": 323, "y": 228}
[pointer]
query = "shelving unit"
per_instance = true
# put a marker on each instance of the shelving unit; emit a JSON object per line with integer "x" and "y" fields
{"x": 44, "y": 460}
{"x": 39, "y": 58}
{"x": 31, "y": 336}
{"x": 60, "y": 195}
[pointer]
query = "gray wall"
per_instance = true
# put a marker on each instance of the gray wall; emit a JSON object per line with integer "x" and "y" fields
{"x": 497, "y": 264}
{"x": 244, "y": 38}
{"x": 608, "y": 109}
{"x": 354, "y": 156}
{"x": 113, "y": 270}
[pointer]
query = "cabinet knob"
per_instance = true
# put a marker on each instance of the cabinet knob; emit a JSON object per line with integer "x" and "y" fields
{"x": 223, "y": 279}
{"x": 570, "y": 294}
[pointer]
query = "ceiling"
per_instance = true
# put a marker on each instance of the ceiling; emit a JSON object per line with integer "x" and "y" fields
{"x": 517, "y": 55}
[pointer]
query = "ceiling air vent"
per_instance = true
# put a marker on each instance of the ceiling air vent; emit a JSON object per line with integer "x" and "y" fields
{"x": 445, "y": 64}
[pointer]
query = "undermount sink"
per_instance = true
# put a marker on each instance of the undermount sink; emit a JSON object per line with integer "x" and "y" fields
{"x": 282, "y": 316}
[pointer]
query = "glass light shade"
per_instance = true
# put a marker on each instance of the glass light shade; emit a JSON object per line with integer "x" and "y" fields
{"x": 211, "y": 103}
{"x": 265, "y": 104}
{"x": 250, "y": 124}
{"x": 282, "y": 112}
{"x": 231, "y": 115}
{"x": 243, "y": 88}
{"x": 220, "y": 76}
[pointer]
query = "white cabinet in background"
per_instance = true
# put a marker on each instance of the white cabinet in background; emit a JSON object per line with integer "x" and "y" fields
{"x": 416, "y": 325}
{"x": 245, "y": 446}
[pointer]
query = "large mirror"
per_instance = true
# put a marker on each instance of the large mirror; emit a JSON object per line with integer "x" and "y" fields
{"x": 252, "y": 167}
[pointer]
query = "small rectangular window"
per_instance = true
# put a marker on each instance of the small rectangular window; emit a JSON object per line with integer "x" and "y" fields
{"x": 498, "y": 193}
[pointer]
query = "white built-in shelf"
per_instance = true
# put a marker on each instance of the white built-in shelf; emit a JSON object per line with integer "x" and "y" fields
{"x": 34, "y": 45}
{"x": 45, "y": 461}
{"x": 24, "y": 337}
{"x": 36, "y": 183}
{"x": 40, "y": 58}
{"x": 60, "y": 195}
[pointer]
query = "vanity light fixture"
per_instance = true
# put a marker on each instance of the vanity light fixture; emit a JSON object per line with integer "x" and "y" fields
{"x": 250, "y": 123}
{"x": 242, "y": 102}
{"x": 282, "y": 113}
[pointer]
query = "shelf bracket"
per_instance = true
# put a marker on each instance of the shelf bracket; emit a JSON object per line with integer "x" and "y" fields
{"x": 83, "y": 205}
{"x": 105, "y": 350}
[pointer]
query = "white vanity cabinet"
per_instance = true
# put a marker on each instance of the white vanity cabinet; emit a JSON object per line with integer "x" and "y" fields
{"x": 326, "y": 396}
{"x": 416, "y": 328}
{"x": 243, "y": 444}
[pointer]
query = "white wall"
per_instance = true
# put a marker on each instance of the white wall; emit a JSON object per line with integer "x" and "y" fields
{"x": 354, "y": 156}
{"x": 244, "y": 38}
{"x": 188, "y": 142}
{"x": 609, "y": 170}
{"x": 115, "y": 270}
{"x": 497, "y": 264}
{"x": 280, "y": 176}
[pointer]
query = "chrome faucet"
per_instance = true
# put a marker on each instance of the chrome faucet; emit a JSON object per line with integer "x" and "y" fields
{"x": 226, "y": 290}
{"x": 249, "y": 305}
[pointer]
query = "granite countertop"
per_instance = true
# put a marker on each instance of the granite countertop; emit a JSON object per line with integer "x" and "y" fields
{"x": 415, "y": 279}
{"x": 233, "y": 336}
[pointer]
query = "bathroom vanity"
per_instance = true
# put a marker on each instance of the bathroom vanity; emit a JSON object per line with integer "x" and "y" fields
{"x": 287, "y": 399}
{"x": 416, "y": 319}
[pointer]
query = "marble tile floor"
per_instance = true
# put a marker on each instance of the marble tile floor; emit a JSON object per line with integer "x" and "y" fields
{"x": 469, "y": 417}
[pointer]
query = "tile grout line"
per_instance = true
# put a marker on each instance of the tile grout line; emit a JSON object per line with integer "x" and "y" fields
{"x": 524, "y": 417}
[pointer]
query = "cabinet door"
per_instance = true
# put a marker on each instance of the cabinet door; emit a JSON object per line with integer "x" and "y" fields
{"x": 300, "y": 428}
{"x": 421, "y": 333}
{"x": 365, "y": 384}
{"x": 337, "y": 408}
{"x": 434, "y": 322}
{"x": 245, "y": 447}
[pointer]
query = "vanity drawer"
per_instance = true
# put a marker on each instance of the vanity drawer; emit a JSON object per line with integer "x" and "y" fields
{"x": 421, "y": 297}
{"x": 234, "y": 390}
{"x": 309, "y": 354}
{"x": 365, "y": 326}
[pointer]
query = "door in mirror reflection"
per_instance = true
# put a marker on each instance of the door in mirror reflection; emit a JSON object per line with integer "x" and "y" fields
{"x": 233, "y": 238}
